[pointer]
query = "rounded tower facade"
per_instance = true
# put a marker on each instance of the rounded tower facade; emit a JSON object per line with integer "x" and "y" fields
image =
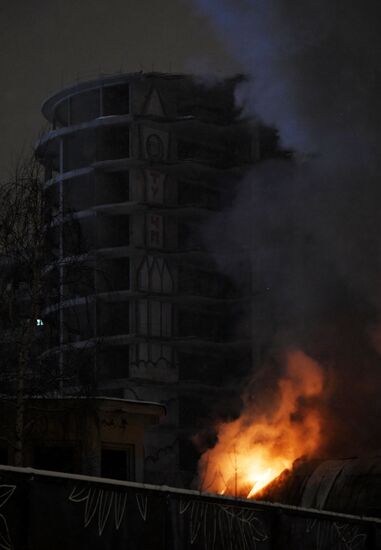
{"x": 137, "y": 166}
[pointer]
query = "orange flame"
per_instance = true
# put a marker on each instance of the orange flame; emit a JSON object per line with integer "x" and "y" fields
{"x": 257, "y": 447}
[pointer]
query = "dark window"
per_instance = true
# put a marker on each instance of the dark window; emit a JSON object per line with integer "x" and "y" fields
{"x": 79, "y": 236}
{"x": 187, "y": 149}
{"x": 113, "y": 363}
{"x": 79, "y": 279}
{"x": 78, "y": 193}
{"x": 193, "y": 280}
{"x": 210, "y": 369}
{"x": 189, "y": 235}
{"x": 190, "y": 193}
{"x": 113, "y": 187}
{"x": 113, "y": 143}
{"x": 60, "y": 459}
{"x": 84, "y": 107}
{"x": 113, "y": 231}
{"x": 79, "y": 369}
{"x": 3, "y": 455}
{"x": 113, "y": 274}
{"x": 118, "y": 464}
{"x": 202, "y": 324}
{"x": 116, "y": 100}
{"x": 78, "y": 322}
{"x": 113, "y": 318}
{"x": 79, "y": 150}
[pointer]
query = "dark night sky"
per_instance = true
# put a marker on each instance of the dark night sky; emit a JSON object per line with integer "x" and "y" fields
{"x": 46, "y": 44}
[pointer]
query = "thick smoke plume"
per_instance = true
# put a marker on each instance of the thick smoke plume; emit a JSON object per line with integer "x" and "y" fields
{"x": 313, "y": 225}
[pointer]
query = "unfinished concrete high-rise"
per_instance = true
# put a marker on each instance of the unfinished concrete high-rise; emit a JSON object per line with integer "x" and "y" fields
{"x": 144, "y": 163}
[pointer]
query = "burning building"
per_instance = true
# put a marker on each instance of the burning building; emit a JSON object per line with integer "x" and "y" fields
{"x": 141, "y": 164}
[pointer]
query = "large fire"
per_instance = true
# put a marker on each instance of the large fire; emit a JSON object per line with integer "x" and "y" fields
{"x": 257, "y": 447}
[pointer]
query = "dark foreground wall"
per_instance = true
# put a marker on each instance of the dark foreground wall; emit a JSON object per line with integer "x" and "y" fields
{"x": 46, "y": 511}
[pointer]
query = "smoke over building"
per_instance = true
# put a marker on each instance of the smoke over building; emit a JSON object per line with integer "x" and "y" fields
{"x": 314, "y": 225}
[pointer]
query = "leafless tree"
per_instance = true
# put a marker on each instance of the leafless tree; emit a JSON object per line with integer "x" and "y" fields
{"x": 28, "y": 284}
{"x": 23, "y": 252}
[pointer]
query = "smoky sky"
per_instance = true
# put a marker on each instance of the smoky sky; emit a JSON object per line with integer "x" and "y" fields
{"x": 45, "y": 45}
{"x": 313, "y": 225}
